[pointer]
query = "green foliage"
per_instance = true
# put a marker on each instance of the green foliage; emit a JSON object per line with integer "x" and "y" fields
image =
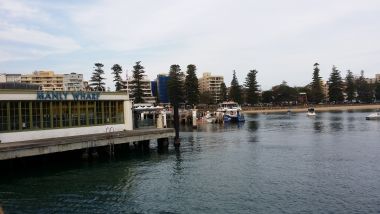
{"x": 377, "y": 91}
{"x": 350, "y": 86}
{"x": 284, "y": 94}
{"x": 223, "y": 92}
{"x": 316, "y": 92}
{"x": 335, "y": 86}
{"x": 206, "y": 98}
{"x": 191, "y": 85}
{"x": 176, "y": 94}
{"x": 235, "y": 90}
{"x": 97, "y": 78}
{"x": 137, "y": 91}
{"x": 365, "y": 92}
{"x": 252, "y": 88}
{"x": 267, "y": 96}
{"x": 175, "y": 85}
{"x": 117, "y": 70}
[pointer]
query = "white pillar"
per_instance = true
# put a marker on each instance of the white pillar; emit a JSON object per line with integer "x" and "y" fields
{"x": 128, "y": 115}
{"x": 164, "y": 118}
{"x": 194, "y": 111}
{"x": 159, "y": 121}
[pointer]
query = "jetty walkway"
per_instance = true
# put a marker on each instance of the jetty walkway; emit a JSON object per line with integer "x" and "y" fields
{"x": 54, "y": 145}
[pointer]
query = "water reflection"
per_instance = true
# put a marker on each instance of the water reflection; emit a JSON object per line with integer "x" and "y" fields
{"x": 318, "y": 126}
{"x": 336, "y": 123}
{"x": 253, "y": 125}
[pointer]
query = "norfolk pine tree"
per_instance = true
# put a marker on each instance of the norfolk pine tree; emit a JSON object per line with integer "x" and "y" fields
{"x": 335, "y": 86}
{"x": 97, "y": 78}
{"x": 350, "y": 86}
{"x": 117, "y": 70}
{"x": 365, "y": 93}
{"x": 191, "y": 86}
{"x": 235, "y": 90}
{"x": 176, "y": 94}
{"x": 137, "y": 92}
{"x": 252, "y": 87}
{"x": 223, "y": 92}
{"x": 316, "y": 93}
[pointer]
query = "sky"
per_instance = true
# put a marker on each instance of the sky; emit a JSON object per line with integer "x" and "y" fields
{"x": 280, "y": 39}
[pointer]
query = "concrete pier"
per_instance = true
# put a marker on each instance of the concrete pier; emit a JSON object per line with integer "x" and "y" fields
{"x": 54, "y": 145}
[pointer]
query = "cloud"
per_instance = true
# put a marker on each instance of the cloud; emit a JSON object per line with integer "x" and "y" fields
{"x": 24, "y": 33}
{"x": 281, "y": 39}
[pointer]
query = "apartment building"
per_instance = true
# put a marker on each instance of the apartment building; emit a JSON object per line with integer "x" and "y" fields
{"x": 48, "y": 80}
{"x": 13, "y": 77}
{"x": 146, "y": 86}
{"x": 73, "y": 82}
{"x": 212, "y": 84}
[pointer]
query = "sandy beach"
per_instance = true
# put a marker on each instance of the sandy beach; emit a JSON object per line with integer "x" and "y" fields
{"x": 318, "y": 108}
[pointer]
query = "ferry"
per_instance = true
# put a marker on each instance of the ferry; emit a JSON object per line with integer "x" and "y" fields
{"x": 35, "y": 114}
{"x": 232, "y": 112}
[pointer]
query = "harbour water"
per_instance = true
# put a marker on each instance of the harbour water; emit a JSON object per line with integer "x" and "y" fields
{"x": 275, "y": 163}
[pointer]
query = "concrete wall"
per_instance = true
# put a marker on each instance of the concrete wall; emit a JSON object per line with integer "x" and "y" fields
{"x": 53, "y": 133}
{"x": 128, "y": 115}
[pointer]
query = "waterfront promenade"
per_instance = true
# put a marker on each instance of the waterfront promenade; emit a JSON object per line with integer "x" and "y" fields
{"x": 301, "y": 108}
{"x": 54, "y": 145}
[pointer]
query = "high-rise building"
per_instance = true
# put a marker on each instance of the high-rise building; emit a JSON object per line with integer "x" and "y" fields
{"x": 48, "y": 80}
{"x": 73, "y": 82}
{"x": 211, "y": 84}
{"x": 162, "y": 88}
{"x": 146, "y": 88}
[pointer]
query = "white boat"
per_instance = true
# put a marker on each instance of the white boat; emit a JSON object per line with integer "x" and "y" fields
{"x": 311, "y": 112}
{"x": 373, "y": 116}
{"x": 232, "y": 112}
{"x": 210, "y": 118}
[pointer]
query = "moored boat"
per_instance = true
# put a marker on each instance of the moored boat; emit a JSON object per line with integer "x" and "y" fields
{"x": 311, "y": 112}
{"x": 373, "y": 116}
{"x": 232, "y": 112}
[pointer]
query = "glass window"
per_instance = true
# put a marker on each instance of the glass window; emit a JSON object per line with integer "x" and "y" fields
{"x": 14, "y": 116}
{"x": 3, "y": 116}
{"x": 56, "y": 114}
{"x": 82, "y": 113}
{"x": 74, "y": 113}
{"x": 46, "y": 115}
{"x": 25, "y": 115}
{"x": 65, "y": 114}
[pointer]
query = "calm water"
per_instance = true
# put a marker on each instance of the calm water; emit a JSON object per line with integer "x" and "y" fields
{"x": 275, "y": 163}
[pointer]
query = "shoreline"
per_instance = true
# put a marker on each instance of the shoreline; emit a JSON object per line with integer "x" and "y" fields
{"x": 317, "y": 108}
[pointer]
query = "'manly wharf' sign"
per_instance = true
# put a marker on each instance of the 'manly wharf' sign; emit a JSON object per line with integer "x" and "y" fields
{"x": 65, "y": 95}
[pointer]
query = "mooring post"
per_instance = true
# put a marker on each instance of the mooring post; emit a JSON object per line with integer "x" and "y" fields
{"x": 162, "y": 144}
{"x": 145, "y": 145}
{"x": 194, "y": 111}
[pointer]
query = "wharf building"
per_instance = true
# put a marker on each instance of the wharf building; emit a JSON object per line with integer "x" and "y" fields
{"x": 211, "y": 84}
{"x": 34, "y": 114}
